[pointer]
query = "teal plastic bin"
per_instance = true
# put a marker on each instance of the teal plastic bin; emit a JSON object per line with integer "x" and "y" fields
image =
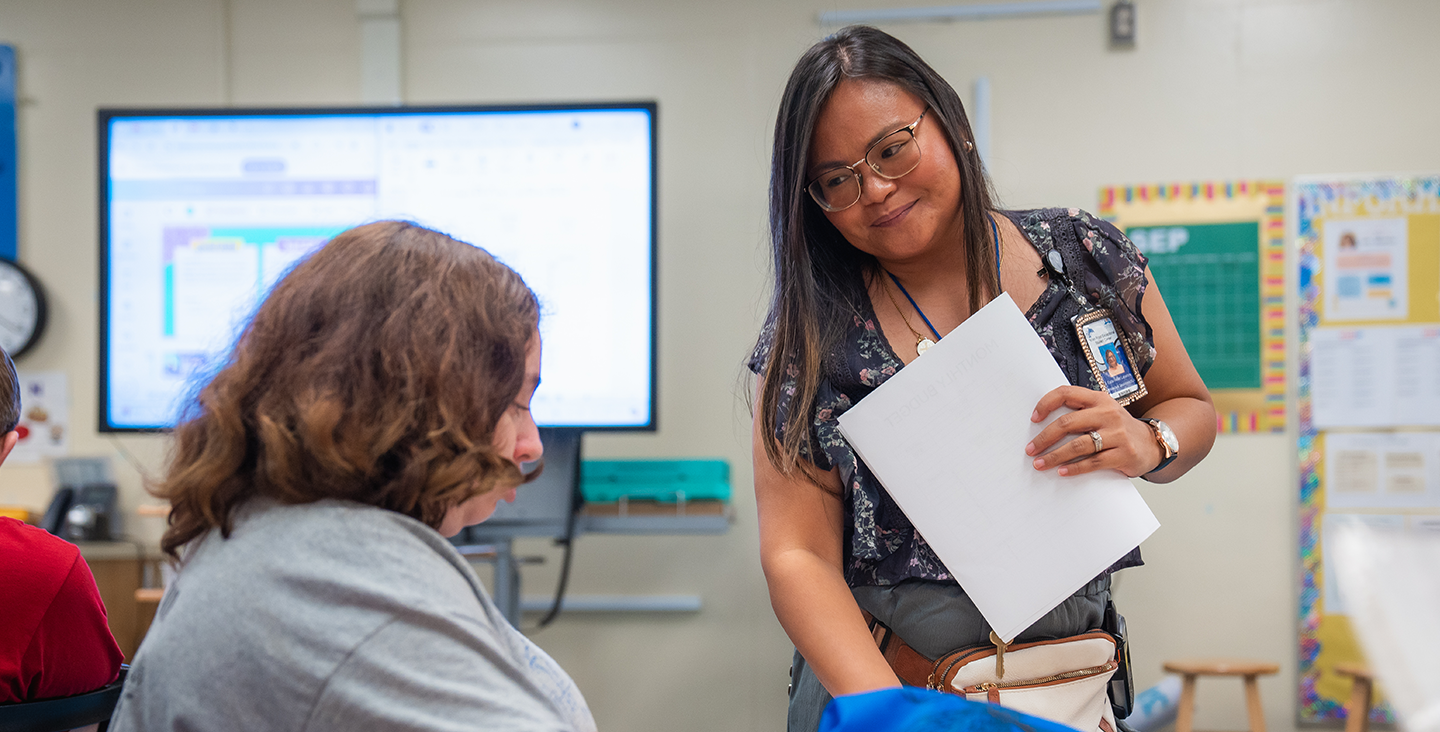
{"x": 665, "y": 481}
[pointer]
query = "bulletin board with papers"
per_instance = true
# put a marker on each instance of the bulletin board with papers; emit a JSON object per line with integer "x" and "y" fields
{"x": 1217, "y": 252}
{"x": 1368, "y": 394}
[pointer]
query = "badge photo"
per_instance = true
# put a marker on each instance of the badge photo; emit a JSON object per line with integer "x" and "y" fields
{"x": 1109, "y": 356}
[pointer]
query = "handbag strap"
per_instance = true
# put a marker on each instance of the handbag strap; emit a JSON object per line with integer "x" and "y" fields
{"x": 910, "y": 665}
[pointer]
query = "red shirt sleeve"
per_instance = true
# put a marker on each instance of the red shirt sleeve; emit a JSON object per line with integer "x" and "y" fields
{"x": 73, "y": 651}
{"x": 54, "y": 638}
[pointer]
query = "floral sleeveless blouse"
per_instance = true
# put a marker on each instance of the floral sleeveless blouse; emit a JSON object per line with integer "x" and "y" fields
{"x": 881, "y": 547}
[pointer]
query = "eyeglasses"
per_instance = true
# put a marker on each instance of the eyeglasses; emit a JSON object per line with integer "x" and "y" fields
{"x": 893, "y": 156}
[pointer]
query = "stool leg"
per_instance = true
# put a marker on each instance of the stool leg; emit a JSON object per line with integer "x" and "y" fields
{"x": 1252, "y": 703}
{"x": 1185, "y": 716}
{"x": 1357, "y": 712}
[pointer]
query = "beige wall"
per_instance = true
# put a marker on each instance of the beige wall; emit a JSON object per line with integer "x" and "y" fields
{"x": 1216, "y": 89}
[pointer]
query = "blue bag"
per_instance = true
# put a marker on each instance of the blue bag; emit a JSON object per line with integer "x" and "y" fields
{"x": 911, "y": 709}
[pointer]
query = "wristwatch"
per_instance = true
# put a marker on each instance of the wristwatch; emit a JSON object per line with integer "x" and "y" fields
{"x": 1169, "y": 444}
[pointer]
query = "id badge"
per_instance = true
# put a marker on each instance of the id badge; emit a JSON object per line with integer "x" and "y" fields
{"x": 1109, "y": 356}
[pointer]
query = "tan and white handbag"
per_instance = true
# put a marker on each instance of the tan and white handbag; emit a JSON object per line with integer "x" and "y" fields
{"x": 1064, "y": 680}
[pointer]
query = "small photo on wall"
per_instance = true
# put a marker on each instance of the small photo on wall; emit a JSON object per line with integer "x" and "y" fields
{"x": 44, "y": 417}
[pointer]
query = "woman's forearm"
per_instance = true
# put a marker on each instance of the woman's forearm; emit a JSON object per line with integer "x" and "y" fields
{"x": 817, "y": 611}
{"x": 801, "y": 529}
{"x": 1193, "y": 421}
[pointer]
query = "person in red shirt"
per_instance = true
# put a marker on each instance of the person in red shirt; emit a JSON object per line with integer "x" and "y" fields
{"x": 54, "y": 637}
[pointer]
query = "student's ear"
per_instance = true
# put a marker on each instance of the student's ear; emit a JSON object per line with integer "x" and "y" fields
{"x": 8, "y": 444}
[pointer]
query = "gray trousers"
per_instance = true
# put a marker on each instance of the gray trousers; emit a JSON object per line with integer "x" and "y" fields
{"x": 936, "y": 618}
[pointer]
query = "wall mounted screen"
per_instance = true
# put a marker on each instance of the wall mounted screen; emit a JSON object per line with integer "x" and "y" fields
{"x": 202, "y": 211}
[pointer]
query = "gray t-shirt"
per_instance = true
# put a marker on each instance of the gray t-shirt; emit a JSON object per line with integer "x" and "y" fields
{"x": 338, "y": 616}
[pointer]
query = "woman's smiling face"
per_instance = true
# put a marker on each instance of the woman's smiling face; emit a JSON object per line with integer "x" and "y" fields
{"x": 894, "y": 220}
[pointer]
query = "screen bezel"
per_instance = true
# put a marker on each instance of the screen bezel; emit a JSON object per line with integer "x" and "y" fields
{"x": 105, "y": 116}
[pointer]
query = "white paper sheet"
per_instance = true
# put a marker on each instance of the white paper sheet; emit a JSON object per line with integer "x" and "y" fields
{"x": 946, "y": 437}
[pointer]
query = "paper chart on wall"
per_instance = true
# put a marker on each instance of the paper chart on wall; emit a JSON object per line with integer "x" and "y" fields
{"x": 1390, "y": 470}
{"x": 1367, "y": 269}
{"x": 1375, "y": 377}
{"x": 946, "y": 437}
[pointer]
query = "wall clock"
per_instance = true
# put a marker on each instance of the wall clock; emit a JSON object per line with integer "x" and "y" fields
{"x": 22, "y": 308}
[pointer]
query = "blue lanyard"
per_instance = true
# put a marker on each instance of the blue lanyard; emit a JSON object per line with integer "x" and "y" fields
{"x": 995, "y": 230}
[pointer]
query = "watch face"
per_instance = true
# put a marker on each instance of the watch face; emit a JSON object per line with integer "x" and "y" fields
{"x": 20, "y": 309}
{"x": 1168, "y": 435}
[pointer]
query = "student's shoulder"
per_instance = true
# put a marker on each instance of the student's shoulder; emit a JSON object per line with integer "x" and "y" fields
{"x": 350, "y": 544}
{"x": 338, "y": 530}
{"x": 49, "y": 579}
{"x": 45, "y": 554}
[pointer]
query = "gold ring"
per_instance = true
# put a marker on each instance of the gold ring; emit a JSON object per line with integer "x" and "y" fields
{"x": 1095, "y": 438}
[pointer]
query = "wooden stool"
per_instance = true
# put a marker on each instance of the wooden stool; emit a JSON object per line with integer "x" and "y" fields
{"x": 1191, "y": 668}
{"x": 1362, "y": 691}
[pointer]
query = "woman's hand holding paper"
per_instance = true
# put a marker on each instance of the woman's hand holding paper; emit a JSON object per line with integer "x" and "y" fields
{"x": 1108, "y": 436}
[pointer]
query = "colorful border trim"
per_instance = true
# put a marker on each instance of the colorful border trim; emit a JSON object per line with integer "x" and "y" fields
{"x": 1272, "y": 417}
{"x": 1313, "y": 201}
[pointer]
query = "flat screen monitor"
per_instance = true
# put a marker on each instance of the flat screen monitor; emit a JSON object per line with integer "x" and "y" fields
{"x": 202, "y": 211}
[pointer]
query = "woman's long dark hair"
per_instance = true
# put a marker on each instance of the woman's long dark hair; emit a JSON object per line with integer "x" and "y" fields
{"x": 820, "y": 279}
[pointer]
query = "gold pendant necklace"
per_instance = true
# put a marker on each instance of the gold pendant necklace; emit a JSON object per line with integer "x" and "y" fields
{"x": 922, "y": 344}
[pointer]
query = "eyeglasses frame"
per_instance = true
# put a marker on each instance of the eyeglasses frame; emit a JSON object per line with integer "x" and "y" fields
{"x": 860, "y": 177}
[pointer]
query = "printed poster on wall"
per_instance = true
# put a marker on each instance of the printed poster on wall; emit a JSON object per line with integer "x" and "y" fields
{"x": 1367, "y": 395}
{"x": 1217, "y": 252}
{"x": 1368, "y": 265}
{"x": 44, "y": 417}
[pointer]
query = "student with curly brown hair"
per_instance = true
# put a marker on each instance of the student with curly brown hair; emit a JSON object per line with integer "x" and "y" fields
{"x": 377, "y": 402}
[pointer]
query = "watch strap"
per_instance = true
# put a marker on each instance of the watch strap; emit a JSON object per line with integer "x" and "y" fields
{"x": 1167, "y": 455}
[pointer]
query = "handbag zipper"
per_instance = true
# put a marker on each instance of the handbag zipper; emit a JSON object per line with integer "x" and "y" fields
{"x": 992, "y": 689}
{"x": 1047, "y": 679}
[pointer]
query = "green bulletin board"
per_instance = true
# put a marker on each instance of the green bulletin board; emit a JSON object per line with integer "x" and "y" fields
{"x": 1210, "y": 274}
{"x": 1217, "y": 252}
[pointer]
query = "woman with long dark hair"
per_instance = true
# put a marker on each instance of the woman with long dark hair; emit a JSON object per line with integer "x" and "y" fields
{"x": 378, "y": 401}
{"x": 885, "y": 236}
